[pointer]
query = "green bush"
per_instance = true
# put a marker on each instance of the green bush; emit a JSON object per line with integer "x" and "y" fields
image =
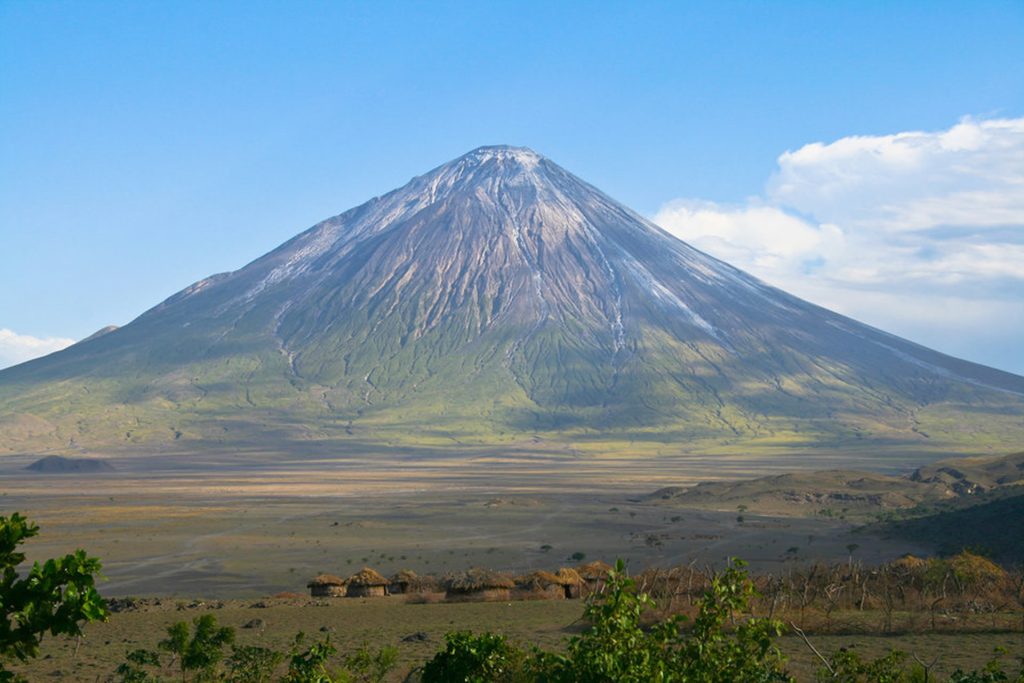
{"x": 992, "y": 672}
{"x": 467, "y": 658}
{"x": 251, "y": 664}
{"x": 133, "y": 669}
{"x": 56, "y": 597}
{"x": 199, "y": 654}
{"x": 846, "y": 666}
{"x": 368, "y": 666}
{"x": 310, "y": 665}
{"x": 200, "y": 651}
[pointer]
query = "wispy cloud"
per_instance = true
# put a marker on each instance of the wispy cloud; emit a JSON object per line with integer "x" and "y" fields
{"x": 17, "y": 348}
{"x": 919, "y": 233}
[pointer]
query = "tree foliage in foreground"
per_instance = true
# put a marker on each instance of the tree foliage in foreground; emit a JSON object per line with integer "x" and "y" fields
{"x": 722, "y": 645}
{"x": 56, "y": 597}
{"x": 618, "y": 648}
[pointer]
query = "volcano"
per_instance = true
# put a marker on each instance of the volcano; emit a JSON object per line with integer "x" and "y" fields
{"x": 499, "y": 299}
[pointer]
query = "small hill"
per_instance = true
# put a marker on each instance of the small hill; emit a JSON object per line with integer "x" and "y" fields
{"x": 974, "y": 475}
{"x": 831, "y": 492}
{"x": 57, "y": 464}
{"x": 852, "y": 494}
{"x": 993, "y": 528}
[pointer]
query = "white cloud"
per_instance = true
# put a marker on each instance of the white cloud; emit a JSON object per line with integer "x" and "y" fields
{"x": 17, "y": 348}
{"x": 764, "y": 238}
{"x": 921, "y": 234}
{"x": 971, "y": 174}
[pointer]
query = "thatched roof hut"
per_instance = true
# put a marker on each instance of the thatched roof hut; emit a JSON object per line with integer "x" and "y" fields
{"x": 539, "y": 585}
{"x": 478, "y": 584}
{"x": 594, "y": 570}
{"x": 327, "y": 586}
{"x": 571, "y": 582}
{"x": 538, "y": 580}
{"x": 594, "y": 575}
{"x": 404, "y": 581}
{"x": 367, "y": 583}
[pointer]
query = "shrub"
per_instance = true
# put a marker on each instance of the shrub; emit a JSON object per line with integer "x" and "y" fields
{"x": 467, "y": 658}
{"x": 56, "y": 597}
{"x": 370, "y": 666}
{"x": 133, "y": 669}
{"x": 201, "y": 650}
{"x": 846, "y": 666}
{"x": 992, "y": 672}
{"x": 974, "y": 572}
{"x": 251, "y": 664}
{"x": 310, "y": 665}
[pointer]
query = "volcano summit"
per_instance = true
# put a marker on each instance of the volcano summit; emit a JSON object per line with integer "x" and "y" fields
{"x": 498, "y": 299}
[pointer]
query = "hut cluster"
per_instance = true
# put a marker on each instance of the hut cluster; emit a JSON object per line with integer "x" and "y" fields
{"x": 473, "y": 584}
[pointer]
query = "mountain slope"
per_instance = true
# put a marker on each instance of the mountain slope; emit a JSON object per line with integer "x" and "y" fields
{"x": 495, "y": 299}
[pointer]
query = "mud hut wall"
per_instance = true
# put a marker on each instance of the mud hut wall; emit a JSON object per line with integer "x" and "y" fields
{"x": 482, "y": 595}
{"x": 551, "y": 592}
{"x": 367, "y": 591}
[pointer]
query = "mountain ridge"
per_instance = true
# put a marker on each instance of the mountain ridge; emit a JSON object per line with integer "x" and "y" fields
{"x": 493, "y": 299}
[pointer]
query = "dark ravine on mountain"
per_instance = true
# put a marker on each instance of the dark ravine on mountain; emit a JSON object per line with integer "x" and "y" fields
{"x": 499, "y": 300}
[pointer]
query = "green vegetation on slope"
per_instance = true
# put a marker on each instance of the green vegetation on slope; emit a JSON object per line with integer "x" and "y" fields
{"x": 993, "y": 524}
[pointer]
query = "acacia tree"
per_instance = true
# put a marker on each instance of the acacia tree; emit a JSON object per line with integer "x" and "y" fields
{"x": 56, "y": 597}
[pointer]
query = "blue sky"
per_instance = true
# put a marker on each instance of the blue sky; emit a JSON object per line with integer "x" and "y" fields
{"x": 144, "y": 146}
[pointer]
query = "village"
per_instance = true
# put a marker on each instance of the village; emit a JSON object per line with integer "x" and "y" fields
{"x": 475, "y": 584}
